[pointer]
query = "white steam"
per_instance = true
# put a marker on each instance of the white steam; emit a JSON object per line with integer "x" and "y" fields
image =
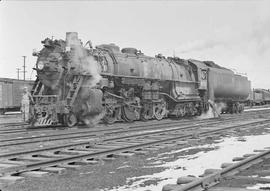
{"x": 85, "y": 64}
{"x": 93, "y": 120}
{"x": 207, "y": 115}
{"x": 213, "y": 113}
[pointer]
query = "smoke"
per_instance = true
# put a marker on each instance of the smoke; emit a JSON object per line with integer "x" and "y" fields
{"x": 213, "y": 113}
{"x": 85, "y": 64}
{"x": 207, "y": 115}
{"x": 93, "y": 120}
{"x": 90, "y": 99}
{"x": 220, "y": 106}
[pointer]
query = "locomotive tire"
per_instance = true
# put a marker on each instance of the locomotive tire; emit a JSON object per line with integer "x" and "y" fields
{"x": 110, "y": 120}
{"x": 126, "y": 115}
{"x": 145, "y": 116}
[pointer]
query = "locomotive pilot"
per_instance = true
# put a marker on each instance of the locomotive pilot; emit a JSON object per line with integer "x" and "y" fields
{"x": 25, "y": 104}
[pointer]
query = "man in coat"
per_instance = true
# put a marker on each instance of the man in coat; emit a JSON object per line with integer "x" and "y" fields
{"x": 25, "y": 104}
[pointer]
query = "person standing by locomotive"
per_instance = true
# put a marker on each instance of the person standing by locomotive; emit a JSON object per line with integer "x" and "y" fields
{"x": 25, "y": 104}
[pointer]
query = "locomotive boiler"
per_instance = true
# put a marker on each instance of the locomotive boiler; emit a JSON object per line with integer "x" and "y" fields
{"x": 78, "y": 83}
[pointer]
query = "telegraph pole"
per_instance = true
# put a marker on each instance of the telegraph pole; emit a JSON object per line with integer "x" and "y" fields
{"x": 18, "y": 73}
{"x": 24, "y": 67}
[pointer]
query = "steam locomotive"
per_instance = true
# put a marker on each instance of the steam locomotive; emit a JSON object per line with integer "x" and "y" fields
{"x": 79, "y": 83}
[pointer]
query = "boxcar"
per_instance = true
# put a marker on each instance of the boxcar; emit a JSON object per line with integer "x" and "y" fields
{"x": 261, "y": 96}
{"x": 11, "y": 93}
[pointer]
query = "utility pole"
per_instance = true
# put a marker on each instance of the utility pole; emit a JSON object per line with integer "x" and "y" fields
{"x": 24, "y": 67}
{"x": 18, "y": 73}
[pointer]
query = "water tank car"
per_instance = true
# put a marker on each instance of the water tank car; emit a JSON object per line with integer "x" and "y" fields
{"x": 224, "y": 86}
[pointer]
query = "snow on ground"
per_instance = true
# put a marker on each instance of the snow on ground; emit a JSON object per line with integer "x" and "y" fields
{"x": 208, "y": 156}
{"x": 257, "y": 109}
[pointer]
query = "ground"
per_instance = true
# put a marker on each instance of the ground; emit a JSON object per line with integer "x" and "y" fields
{"x": 122, "y": 172}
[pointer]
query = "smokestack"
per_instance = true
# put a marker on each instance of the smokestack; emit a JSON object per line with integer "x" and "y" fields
{"x": 72, "y": 39}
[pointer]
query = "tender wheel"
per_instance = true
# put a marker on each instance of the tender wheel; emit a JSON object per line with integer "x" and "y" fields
{"x": 241, "y": 108}
{"x": 71, "y": 120}
{"x": 235, "y": 109}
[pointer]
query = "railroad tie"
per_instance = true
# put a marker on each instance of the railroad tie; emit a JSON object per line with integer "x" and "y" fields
{"x": 69, "y": 166}
{"x": 123, "y": 154}
{"x": 36, "y": 174}
{"x": 57, "y": 170}
{"x": 73, "y": 152}
{"x": 8, "y": 180}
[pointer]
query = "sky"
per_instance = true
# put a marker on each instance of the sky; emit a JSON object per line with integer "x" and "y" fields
{"x": 233, "y": 34}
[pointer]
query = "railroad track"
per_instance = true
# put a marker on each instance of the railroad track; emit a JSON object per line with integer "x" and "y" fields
{"x": 49, "y": 159}
{"x": 21, "y": 127}
{"x": 102, "y": 128}
{"x": 93, "y": 133}
{"x": 139, "y": 131}
{"x": 99, "y": 126}
{"x": 12, "y": 124}
{"x": 89, "y": 133}
{"x": 252, "y": 171}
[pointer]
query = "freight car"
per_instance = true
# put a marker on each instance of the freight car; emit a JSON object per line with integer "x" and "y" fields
{"x": 259, "y": 97}
{"x": 75, "y": 83}
{"x": 266, "y": 95}
{"x": 11, "y": 93}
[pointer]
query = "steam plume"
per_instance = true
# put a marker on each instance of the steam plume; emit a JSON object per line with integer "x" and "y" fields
{"x": 89, "y": 102}
{"x": 86, "y": 64}
{"x": 211, "y": 113}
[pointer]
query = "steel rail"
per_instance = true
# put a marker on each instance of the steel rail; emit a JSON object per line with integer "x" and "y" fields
{"x": 98, "y": 139}
{"x": 100, "y": 130}
{"x": 22, "y": 130}
{"x": 89, "y": 133}
{"x": 5, "y": 155}
{"x": 109, "y": 131}
{"x": 52, "y": 162}
{"x": 131, "y": 126}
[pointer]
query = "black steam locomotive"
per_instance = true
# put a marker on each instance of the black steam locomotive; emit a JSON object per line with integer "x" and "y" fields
{"x": 77, "y": 82}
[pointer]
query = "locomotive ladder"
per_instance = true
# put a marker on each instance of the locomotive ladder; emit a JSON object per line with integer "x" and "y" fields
{"x": 74, "y": 89}
{"x": 37, "y": 88}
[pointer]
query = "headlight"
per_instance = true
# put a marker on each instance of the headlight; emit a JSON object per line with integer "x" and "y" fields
{"x": 40, "y": 65}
